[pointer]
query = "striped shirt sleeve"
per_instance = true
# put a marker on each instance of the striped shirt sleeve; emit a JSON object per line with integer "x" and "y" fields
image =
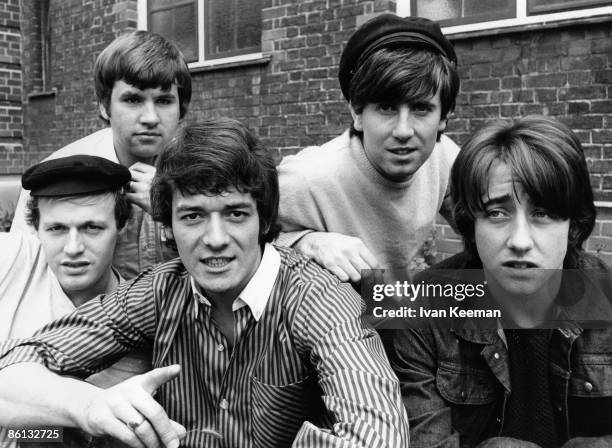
{"x": 360, "y": 390}
{"x": 94, "y": 336}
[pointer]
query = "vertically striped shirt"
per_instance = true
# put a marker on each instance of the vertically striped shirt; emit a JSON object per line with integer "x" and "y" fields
{"x": 305, "y": 372}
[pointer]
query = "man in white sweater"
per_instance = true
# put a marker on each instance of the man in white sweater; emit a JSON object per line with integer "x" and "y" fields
{"x": 368, "y": 198}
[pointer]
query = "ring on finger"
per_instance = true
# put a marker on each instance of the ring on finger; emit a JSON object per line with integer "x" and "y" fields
{"x": 134, "y": 425}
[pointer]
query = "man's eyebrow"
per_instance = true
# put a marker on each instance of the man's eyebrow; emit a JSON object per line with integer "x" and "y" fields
{"x": 188, "y": 208}
{"x": 497, "y": 200}
{"x": 94, "y": 222}
{"x": 52, "y": 223}
{"x": 131, "y": 92}
{"x": 235, "y": 205}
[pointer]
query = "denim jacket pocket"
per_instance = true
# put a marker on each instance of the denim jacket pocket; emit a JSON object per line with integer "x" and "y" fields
{"x": 279, "y": 411}
{"x": 465, "y": 385}
{"x": 591, "y": 376}
{"x": 472, "y": 396}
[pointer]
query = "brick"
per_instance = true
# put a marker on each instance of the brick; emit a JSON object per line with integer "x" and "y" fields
{"x": 602, "y": 136}
{"x": 546, "y": 95}
{"x": 603, "y": 76}
{"x": 578, "y": 78}
{"x": 586, "y": 92}
{"x": 523, "y": 96}
{"x": 547, "y": 80}
{"x": 578, "y": 107}
{"x": 473, "y": 85}
{"x": 511, "y": 82}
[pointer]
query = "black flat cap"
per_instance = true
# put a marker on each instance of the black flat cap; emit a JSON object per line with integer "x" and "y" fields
{"x": 72, "y": 175}
{"x": 390, "y": 31}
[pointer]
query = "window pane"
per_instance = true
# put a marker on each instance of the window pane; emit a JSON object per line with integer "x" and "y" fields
{"x": 456, "y": 12}
{"x": 489, "y": 8}
{"x": 249, "y": 24}
{"x": 545, "y": 6}
{"x": 233, "y": 27}
{"x": 177, "y": 23}
{"x": 439, "y": 10}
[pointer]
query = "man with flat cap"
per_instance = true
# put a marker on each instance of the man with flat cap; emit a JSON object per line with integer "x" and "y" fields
{"x": 78, "y": 208}
{"x": 369, "y": 198}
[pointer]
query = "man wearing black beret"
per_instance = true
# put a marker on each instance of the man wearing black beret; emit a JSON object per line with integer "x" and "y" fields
{"x": 78, "y": 208}
{"x": 369, "y": 198}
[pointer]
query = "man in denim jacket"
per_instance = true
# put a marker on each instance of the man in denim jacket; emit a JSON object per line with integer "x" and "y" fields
{"x": 542, "y": 374}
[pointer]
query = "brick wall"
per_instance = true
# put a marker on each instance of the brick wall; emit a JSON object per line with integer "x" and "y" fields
{"x": 11, "y": 117}
{"x": 67, "y": 110}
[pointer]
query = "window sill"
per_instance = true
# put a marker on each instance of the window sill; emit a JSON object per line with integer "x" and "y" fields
{"x": 237, "y": 61}
{"x": 42, "y": 93}
{"x": 521, "y": 28}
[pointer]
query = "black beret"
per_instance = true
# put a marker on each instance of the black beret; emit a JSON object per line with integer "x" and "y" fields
{"x": 389, "y": 30}
{"x": 72, "y": 175}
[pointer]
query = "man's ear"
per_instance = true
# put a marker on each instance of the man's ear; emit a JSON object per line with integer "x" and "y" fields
{"x": 167, "y": 233}
{"x": 356, "y": 119}
{"x": 103, "y": 112}
{"x": 442, "y": 125}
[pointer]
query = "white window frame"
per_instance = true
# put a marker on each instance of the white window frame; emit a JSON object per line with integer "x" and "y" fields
{"x": 403, "y": 10}
{"x": 201, "y": 62}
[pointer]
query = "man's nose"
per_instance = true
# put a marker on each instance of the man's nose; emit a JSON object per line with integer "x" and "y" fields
{"x": 149, "y": 115}
{"x": 404, "y": 126}
{"x": 74, "y": 243}
{"x": 521, "y": 238}
{"x": 216, "y": 236}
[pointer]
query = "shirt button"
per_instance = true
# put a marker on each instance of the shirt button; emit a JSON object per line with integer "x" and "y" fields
{"x": 463, "y": 395}
{"x": 498, "y": 420}
{"x": 223, "y": 404}
{"x": 588, "y": 386}
{"x": 220, "y": 347}
{"x": 496, "y": 355}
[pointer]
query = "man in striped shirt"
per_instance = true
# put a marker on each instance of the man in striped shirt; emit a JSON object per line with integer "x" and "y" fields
{"x": 271, "y": 347}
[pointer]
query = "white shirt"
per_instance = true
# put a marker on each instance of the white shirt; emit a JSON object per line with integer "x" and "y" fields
{"x": 257, "y": 291}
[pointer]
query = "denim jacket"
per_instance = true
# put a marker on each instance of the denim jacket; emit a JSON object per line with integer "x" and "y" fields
{"x": 455, "y": 380}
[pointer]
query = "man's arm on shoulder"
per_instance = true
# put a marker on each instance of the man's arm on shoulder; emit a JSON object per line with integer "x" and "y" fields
{"x": 412, "y": 354}
{"x": 303, "y": 222}
{"x": 360, "y": 391}
{"x": 345, "y": 256}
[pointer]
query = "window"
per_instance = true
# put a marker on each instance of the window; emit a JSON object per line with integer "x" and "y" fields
{"x": 470, "y": 15}
{"x": 207, "y": 31}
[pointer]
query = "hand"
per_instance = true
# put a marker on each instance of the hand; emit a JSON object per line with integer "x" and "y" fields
{"x": 129, "y": 413}
{"x": 343, "y": 255}
{"x": 140, "y": 186}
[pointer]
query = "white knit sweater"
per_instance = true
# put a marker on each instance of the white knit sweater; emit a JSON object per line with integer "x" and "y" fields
{"x": 335, "y": 188}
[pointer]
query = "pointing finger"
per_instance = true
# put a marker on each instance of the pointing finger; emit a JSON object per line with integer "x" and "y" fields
{"x": 152, "y": 380}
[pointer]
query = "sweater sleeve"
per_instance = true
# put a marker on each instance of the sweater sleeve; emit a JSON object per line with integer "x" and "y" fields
{"x": 299, "y": 211}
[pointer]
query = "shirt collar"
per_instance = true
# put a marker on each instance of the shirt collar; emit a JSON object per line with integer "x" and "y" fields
{"x": 257, "y": 292}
